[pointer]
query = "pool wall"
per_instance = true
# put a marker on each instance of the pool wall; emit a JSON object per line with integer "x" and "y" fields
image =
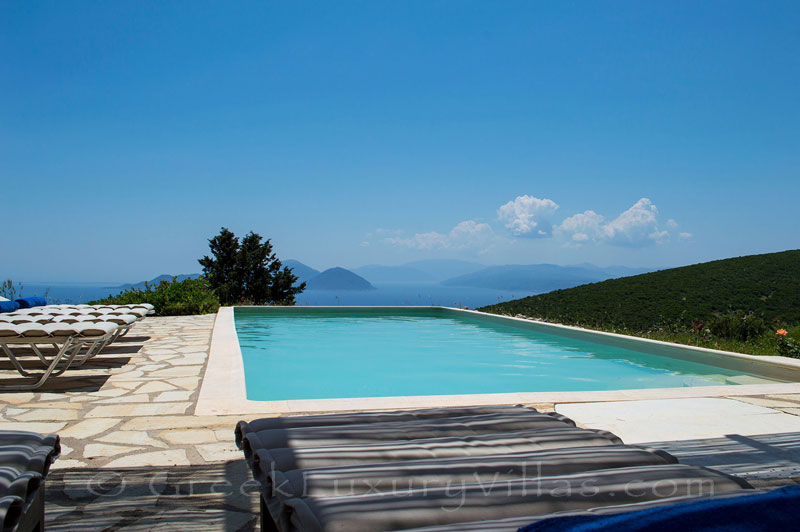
{"x": 223, "y": 389}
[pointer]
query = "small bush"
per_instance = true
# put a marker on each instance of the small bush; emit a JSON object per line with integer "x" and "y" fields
{"x": 170, "y": 298}
{"x": 738, "y": 326}
{"x": 789, "y": 342}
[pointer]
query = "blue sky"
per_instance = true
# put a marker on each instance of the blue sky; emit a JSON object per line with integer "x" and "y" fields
{"x": 644, "y": 134}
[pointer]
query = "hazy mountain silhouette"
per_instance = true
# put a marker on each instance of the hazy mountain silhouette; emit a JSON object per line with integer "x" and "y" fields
{"x": 538, "y": 278}
{"x": 338, "y": 279}
{"x": 441, "y": 269}
{"x": 303, "y": 272}
{"x": 377, "y": 273}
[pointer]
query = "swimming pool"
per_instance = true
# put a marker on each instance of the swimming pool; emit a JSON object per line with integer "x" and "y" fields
{"x": 325, "y": 353}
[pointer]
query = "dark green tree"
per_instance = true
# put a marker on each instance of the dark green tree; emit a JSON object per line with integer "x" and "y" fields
{"x": 248, "y": 271}
{"x": 223, "y": 271}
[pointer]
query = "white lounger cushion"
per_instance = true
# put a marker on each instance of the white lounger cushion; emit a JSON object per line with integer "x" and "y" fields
{"x": 81, "y": 329}
{"x": 140, "y": 312}
{"x": 122, "y": 319}
{"x": 26, "y": 311}
{"x": 119, "y": 319}
{"x": 36, "y": 330}
{"x": 146, "y": 306}
{"x": 8, "y": 329}
{"x": 32, "y": 329}
{"x": 68, "y": 318}
{"x": 43, "y": 318}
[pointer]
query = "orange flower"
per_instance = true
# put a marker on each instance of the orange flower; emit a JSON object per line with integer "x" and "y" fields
{"x": 782, "y": 332}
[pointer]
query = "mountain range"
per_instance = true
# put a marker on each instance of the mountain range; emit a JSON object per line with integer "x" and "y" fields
{"x": 531, "y": 278}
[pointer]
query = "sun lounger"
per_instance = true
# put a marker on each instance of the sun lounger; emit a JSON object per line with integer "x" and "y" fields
{"x": 69, "y": 340}
{"x": 280, "y": 486}
{"x": 19, "y": 319}
{"x": 287, "y": 459}
{"x": 298, "y": 438}
{"x": 139, "y": 312}
{"x": 25, "y": 459}
{"x": 123, "y": 321}
{"x": 147, "y": 307}
{"x": 328, "y": 420}
{"x": 125, "y": 317}
{"x": 389, "y": 511}
{"x": 372, "y": 475}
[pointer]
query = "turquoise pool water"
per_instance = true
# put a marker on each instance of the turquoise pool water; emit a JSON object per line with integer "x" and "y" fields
{"x": 314, "y": 354}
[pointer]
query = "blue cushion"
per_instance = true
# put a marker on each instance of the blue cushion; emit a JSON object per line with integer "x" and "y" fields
{"x": 8, "y": 306}
{"x": 34, "y": 301}
{"x": 776, "y": 510}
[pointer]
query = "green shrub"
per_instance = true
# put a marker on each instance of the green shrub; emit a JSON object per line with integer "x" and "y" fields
{"x": 789, "y": 342}
{"x": 738, "y": 326}
{"x": 170, "y": 298}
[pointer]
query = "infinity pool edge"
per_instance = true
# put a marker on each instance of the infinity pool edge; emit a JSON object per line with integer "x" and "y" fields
{"x": 223, "y": 390}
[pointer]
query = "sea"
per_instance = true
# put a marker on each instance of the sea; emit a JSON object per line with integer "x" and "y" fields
{"x": 411, "y": 294}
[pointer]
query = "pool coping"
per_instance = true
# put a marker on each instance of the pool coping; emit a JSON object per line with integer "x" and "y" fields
{"x": 223, "y": 390}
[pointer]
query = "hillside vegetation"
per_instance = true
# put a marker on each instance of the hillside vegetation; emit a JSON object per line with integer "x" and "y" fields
{"x": 683, "y": 304}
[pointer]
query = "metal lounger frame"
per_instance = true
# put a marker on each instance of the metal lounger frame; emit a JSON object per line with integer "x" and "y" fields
{"x": 69, "y": 351}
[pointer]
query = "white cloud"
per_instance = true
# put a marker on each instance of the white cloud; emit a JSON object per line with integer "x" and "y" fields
{"x": 583, "y": 226}
{"x": 466, "y": 235}
{"x": 637, "y": 226}
{"x": 528, "y": 216}
{"x": 531, "y": 217}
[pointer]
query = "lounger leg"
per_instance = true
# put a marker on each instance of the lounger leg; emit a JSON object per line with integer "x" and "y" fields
{"x": 39, "y": 354}
{"x": 71, "y": 357}
{"x": 68, "y": 347}
{"x": 90, "y": 347}
{"x": 10, "y": 354}
{"x": 95, "y": 347}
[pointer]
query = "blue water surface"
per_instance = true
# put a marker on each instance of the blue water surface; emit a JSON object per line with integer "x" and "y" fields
{"x": 342, "y": 354}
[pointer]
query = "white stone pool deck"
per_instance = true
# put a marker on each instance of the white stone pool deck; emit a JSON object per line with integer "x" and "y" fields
{"x": 136, "y": 456}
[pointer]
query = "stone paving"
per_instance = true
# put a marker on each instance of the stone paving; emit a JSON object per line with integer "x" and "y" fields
{"x": 135, "y": 457}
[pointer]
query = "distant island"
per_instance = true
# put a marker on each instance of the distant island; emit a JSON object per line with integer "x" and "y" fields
{"x": 530, "y": 278}
{"x": 338, "y": 279}
{"x": 525, "y": 278}
{"x": 303, "y": 272}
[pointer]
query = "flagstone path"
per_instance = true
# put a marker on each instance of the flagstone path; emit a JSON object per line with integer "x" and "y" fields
{"x": 134, "y": 455}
